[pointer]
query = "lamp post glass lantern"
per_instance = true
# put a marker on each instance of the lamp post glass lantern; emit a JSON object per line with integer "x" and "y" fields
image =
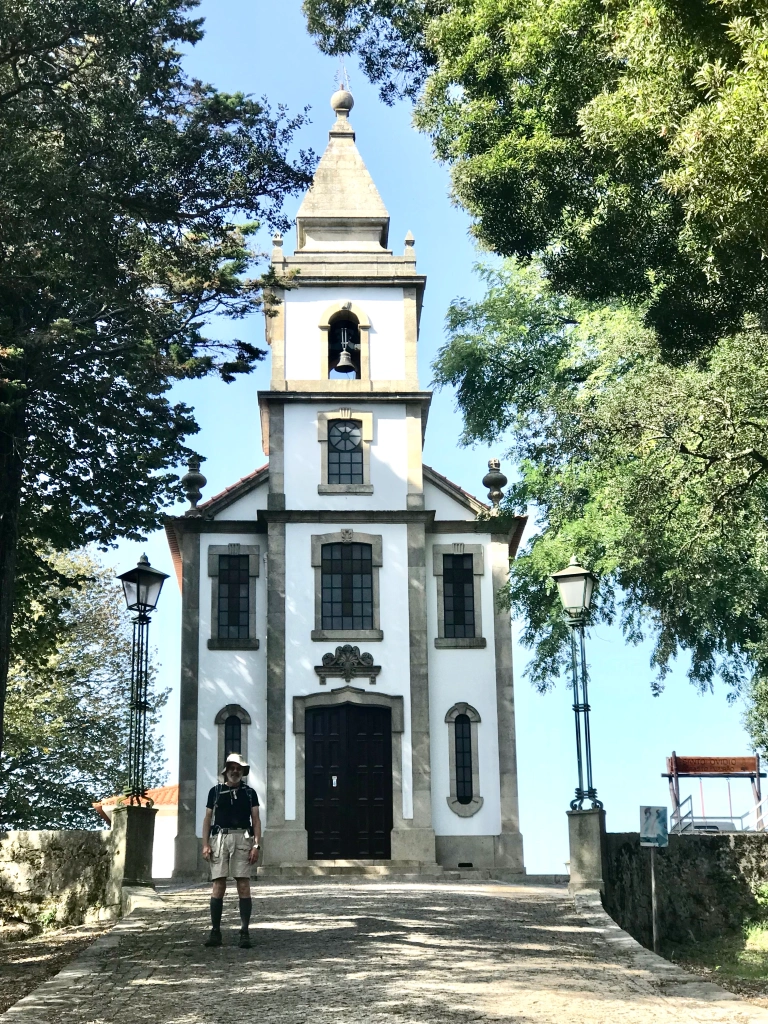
{"x": 141, "y": 586}
{"x": 575, "y": 585}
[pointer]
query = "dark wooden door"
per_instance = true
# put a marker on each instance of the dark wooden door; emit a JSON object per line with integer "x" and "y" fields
{"x": 348, "y": 782}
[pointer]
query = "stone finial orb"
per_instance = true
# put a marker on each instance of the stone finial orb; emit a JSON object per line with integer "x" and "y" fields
{"x": 494, "y": 480}
{"x": 192, "y": 482}
{"x": 342, "y": 102}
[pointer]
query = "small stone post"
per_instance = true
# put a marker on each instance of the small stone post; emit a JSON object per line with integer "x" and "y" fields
{"x": 586, "y": 834}
{"x": 133, "y": 835}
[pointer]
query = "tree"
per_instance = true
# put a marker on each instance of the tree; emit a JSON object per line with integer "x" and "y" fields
{"x": 124, "y": 189}
{"x": 625, "y": 140}
{"x": 67, "y": 718}
{"x": 655, "y": 475}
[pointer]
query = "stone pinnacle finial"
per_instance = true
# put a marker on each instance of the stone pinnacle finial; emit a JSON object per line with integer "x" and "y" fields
{"x": 192, "y": 482}
{"x": 494, "y": 480}
{"x": 277, "y": 247}
{"x": 342, "y": 102}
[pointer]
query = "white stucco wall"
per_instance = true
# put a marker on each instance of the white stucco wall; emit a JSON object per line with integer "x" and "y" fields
{"x": 463, "y": 675}
{"x": 388, "y": 457}
{"x": 302, "y": 653}
{"x": 231, "y": 677}
{"x": 304, "y": 308}
{"x": 247, "y": 506}
{"x": 166, "y": 826}
{"x": 445, "y": 507}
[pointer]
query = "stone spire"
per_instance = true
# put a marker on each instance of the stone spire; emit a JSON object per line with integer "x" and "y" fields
{"x": 343, "y": 211}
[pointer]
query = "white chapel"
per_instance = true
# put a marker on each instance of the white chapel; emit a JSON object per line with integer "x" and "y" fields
{"x": 340, "y": 625}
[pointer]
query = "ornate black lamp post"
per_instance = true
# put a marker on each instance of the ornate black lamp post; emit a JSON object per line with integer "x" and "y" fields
{"x": 141, "y": 587}
{"x": 575, "y": 585}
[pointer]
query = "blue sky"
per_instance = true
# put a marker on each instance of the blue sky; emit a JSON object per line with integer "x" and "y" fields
{"x": 263, "y": 49}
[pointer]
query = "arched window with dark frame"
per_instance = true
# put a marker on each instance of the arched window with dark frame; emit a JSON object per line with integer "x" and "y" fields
{"x": 233, "y": 736}
{"x": 463, "y": 740}
{"x": 344, "y": 346}
{"x": 345, "y": 452}
{"x": 347, "y": 586}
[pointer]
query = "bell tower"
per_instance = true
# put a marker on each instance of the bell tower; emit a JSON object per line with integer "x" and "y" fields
{"x": 342, "y": 233}
{"x": 344, "y": 341}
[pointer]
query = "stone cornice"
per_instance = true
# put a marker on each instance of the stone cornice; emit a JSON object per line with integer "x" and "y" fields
{"x": 341, "y": 515}
{"x": 498, "y": 527}
{"x": 203, "y": 524}
{"x": 311, "y": 395}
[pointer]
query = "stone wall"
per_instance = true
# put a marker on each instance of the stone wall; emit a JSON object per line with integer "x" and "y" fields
{"x": 705, "y": 884}
{"x": 55, "y": 878}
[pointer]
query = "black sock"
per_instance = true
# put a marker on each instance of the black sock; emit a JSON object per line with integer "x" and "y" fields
{"x": 245, "y": 911}
{"x": 217, "y": 905}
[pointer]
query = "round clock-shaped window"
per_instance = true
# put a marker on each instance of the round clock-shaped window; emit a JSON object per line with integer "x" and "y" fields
{"x": 344, "y": 435}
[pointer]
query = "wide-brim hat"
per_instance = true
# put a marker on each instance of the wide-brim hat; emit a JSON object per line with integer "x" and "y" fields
{"x": 235, "y": 759}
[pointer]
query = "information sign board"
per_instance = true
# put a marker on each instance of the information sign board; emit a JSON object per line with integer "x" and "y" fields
{"x": 653, "y": 826}
{"x": 733, "y": 766}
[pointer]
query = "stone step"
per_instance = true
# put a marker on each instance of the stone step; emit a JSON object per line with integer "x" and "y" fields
{"x": 375, "y": 868}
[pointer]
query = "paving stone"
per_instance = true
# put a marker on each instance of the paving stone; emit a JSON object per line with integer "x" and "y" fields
{"x": 380, "y": 953}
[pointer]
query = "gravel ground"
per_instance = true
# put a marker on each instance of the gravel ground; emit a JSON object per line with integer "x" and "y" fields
{"x": 27, "y": 963}
{"x": 347, "y": 953}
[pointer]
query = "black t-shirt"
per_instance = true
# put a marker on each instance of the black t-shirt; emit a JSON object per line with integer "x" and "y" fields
{"x": 232, "y": 806}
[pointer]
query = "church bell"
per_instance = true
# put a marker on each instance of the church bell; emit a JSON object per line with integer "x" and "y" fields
{"x": 345, "y": 364}
{"x": 343, "y": 336}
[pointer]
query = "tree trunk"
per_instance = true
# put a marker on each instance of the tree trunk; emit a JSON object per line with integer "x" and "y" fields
{"x": 13, "y": 443}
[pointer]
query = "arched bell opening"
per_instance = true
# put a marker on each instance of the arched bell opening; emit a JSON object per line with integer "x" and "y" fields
{"x": 344, "y": 347}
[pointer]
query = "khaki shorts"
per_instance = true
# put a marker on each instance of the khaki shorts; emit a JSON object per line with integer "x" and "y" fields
{"x": 229, "y": 855}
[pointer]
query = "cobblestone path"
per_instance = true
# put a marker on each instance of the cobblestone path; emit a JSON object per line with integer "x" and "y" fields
{"x": 380, "y": 954}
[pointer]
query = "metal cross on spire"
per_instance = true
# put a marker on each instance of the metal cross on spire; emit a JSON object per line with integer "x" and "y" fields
{"x": 341, "y": 78}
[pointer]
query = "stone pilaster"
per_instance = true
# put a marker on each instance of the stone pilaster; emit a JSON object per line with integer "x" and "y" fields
{"x": 418, "y": 842}
{"x": 187, "y": 855}
{"x": 508, "y": 852}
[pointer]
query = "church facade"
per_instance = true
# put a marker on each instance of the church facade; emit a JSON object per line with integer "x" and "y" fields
{"x": 340, "y": 624}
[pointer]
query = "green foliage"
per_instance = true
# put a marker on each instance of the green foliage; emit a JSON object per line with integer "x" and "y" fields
{"x": 67, "y": 715}
{"x": 756, "y": 719}
{"x": 737, "y": 962}
{"x": 653, "y": 474}
{"x": 121, "y": 178}
{"x": 389, "y": 37}
{"x": 129, "y": 196}
{"x": 625, "y": 139}
{"x": 760, "y": 892}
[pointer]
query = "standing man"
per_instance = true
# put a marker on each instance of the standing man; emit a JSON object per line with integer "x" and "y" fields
{"x": 231, "y": 842}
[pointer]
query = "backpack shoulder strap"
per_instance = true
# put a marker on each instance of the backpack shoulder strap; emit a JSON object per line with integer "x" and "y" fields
{"x": 215, "y": 802}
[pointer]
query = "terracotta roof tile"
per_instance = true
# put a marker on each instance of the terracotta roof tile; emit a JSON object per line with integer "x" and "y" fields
{"x": 248, "y": 478}
{"x": 163, "y": 796}
{"x": 455, "y": 487}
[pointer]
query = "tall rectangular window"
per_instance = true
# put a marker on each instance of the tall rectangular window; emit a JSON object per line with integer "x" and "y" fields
{"x": 463, "y": 738}
{"x": 458, "y": 596}
{"x": 345, "y": 452}
{"x": 347, "y": 586}
{"x": 233, "y": 597}
{"x": 233, "y": 736}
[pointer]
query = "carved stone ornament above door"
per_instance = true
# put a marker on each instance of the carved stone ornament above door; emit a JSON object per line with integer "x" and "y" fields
{"x": 348, "y": 663}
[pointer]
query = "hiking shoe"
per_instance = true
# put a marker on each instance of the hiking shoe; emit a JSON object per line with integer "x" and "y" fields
{"x": 214, "y": 939}
{"x": 245, "y": 940}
